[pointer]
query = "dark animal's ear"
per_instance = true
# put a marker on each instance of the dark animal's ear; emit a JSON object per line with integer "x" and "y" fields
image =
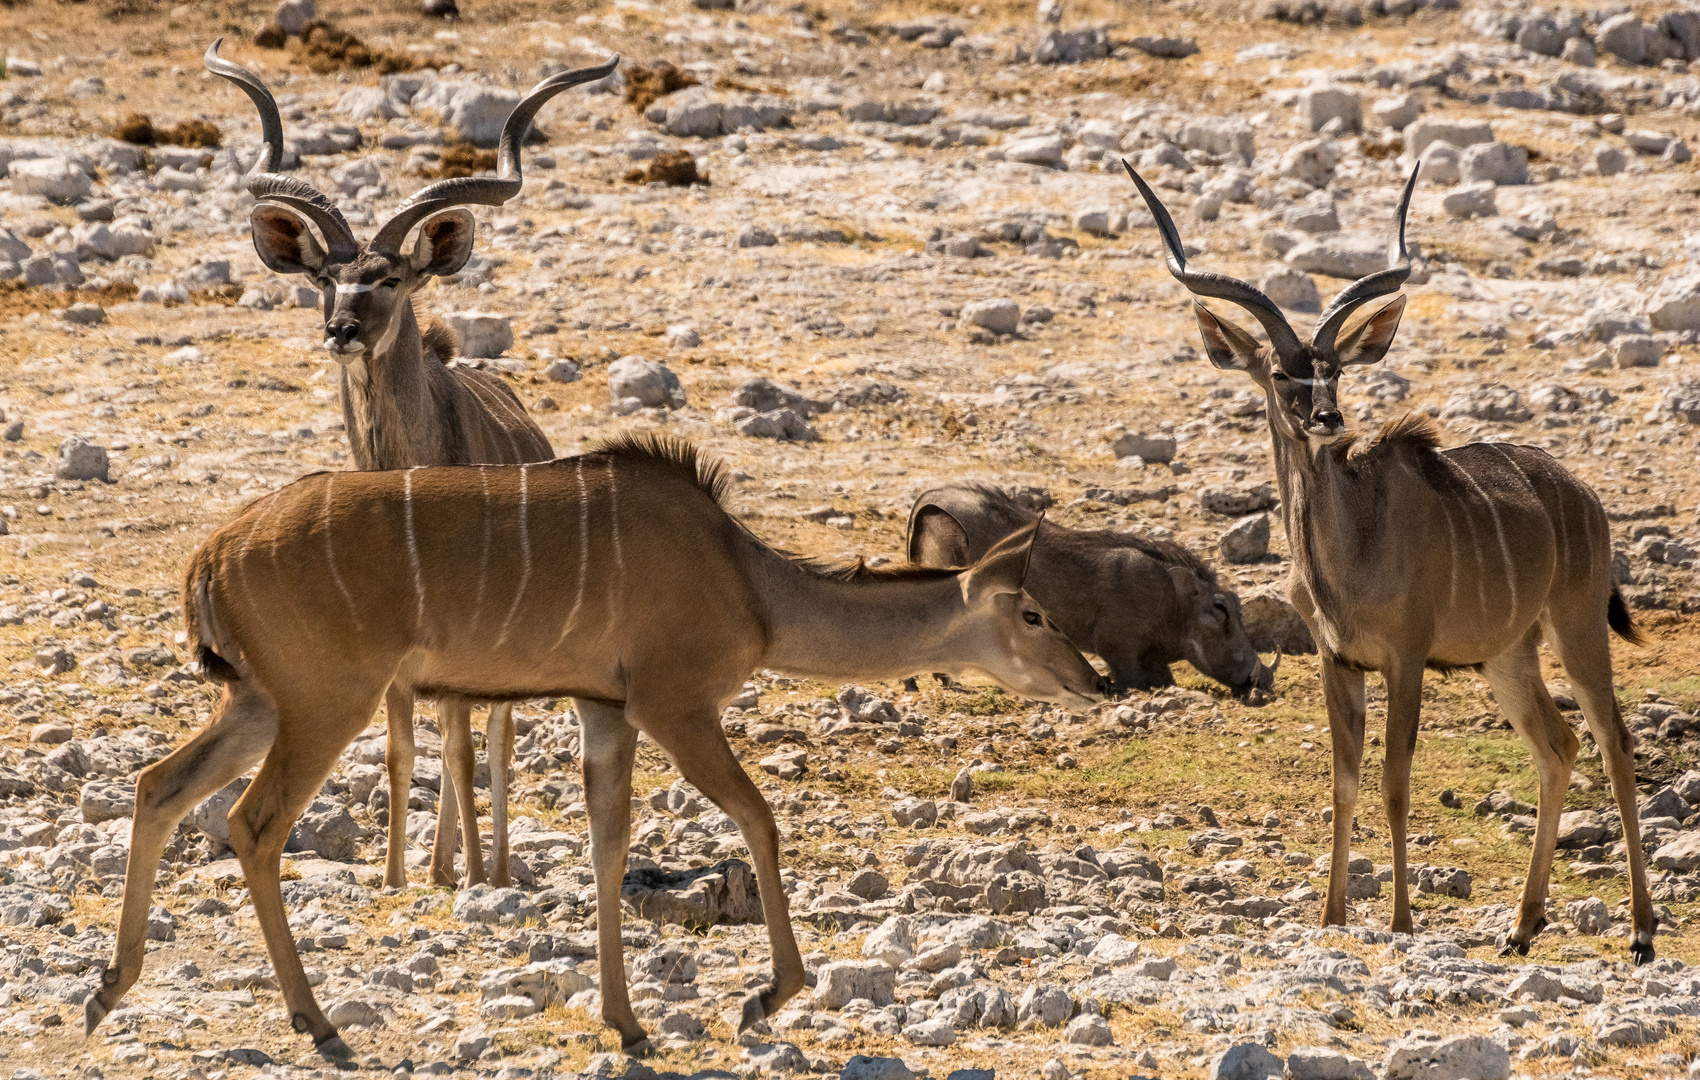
{"x": 937, "y": 539}
{"x": 1228, "y": 346}
{"x": 444, "y": 244}
{"x": 1186, "y": 585}
{"x": 1368, "y": 342}
{"x": 284, "y": 241}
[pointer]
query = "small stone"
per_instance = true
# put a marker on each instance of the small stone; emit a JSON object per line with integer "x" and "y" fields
{"x": 648, "y": 382}
{"x": 1089, "y": 1029}
{"x": 1470, "y": 200}
{"x": 755, "y": 236}
{"x": 1318, "y": 105}
{"x": 842, "y": 981}
{"x": 1247, "y": 540}
{"x": 1291, "y": 289}
{"x": 1153, "y": 449}
{"x": 85, "y": 314}
{"x": 1322, "y": 1063}
{"x": 1000, "y": 316}
{"x": 482, "y": 334}
{"x": 1636, "y": 350}
{"x": 292, "y": 17}
{"x": 1043, "y": 1006}
{"x": 563, "y": 371}
{"x": 934, "y": 1032}
{"x": 80, "y": 459}
{"x": 1043, "y": 150}
{"x": 864, "y": 1067}
{"x": 1246, "y": 1061}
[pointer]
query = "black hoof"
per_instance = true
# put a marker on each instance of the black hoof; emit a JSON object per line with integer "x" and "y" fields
{"x": 1641, "y": 952}
{"x": 1515, "y": 948}
{"x": 93, "y": 1013}
{"x": 639, "y": 1047}
{"x": 754, "y": 1012}
{"x": 332, "y": 1048}
{"x": 1540, "y": 924}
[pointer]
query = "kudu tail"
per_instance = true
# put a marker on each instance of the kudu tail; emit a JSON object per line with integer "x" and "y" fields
{"x": 203, "y": 632}
{"x": 1617, "y": 616}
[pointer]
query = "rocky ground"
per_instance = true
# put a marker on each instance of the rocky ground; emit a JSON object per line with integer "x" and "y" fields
{"x": 913, "y": 221}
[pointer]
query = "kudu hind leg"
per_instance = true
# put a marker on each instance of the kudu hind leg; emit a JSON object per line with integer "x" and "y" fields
{"x": 1404, "y": 710}
{"x": 1584, "y": 648}
{"x": 699, "y": 748}
{"x": 239, "y": 736}
{"x": 454, "y": 716}
{"x": 260, "y": 824}
{"x": 499, "y": 749}
{"x": 1515, "y": 678}
{"x": 609, "y": 747}
{"x": 1343, "y": 690}
{"x": 399, "y": 755}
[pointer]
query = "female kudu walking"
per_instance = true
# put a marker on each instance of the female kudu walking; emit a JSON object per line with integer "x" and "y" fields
{"x": 1407, "y": 556}
{"x": 615, "y": 579}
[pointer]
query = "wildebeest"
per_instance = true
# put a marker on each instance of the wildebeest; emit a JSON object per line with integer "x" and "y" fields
{"x": 1139, "y": 603}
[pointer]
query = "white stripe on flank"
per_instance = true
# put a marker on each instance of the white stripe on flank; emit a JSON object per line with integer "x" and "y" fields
{"x": 484, "y": 551}
{"x": 413, "y": 549}
{"x": 1562, "y": 530}
{"x": 1451, "y": 558}
{"x": 524, "y": 559}
{"x": 1504, "y": 548}
{"x": 583, "y": 552}
{"x": 1476, "y": 547}
{"x": 330, "y": 556}
{"x": 614, "y": 520}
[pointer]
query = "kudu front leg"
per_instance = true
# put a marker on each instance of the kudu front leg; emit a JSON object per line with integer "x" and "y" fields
{"x": 609, "y": 747}
{"x": 1404, "y": 709}
{"x": 459, "y": 799}
{"x": 699, "y": 748}
{"x": 399, "y": 756}
{"x": 1343, "y": 691}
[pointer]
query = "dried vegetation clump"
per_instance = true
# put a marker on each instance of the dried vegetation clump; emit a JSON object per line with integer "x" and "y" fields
{"x": 675, "y": 168}
{"x": 327, "y": 49}
{"x": 645, "y": 86}
{"x": 464, "y": 159}
{"x": 138, "y": 130}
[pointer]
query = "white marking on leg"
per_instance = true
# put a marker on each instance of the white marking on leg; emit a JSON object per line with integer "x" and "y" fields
{"x": 583, "y": 552}
{"x": 413, "y": 550}
{"x": 524, "y": 559}
{"x": 1504, "y": 548}
{"x": 330, "y": 557}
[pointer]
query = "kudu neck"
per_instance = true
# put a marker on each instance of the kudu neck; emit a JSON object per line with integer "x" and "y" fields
{"x": 875, "y": 628}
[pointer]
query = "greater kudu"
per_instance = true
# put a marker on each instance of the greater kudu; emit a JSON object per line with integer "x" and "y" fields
{"x": 652, "y": 607}
{"x": 405, "y": 405}
{"x": 1406, "y": 556}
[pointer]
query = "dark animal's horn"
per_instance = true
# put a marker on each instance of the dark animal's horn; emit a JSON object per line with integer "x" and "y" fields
{"x": 1368, "y": 288}
{"x": 485, "y": 190}
{"x": 263, "y": 181}
{"x": 1220, "y": 286}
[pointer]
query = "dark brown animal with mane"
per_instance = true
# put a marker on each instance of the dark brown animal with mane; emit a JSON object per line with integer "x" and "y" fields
{"x": 1406, "y": 556}
{"x": 616, "y": 579}
{"x": 1141, "y": 604}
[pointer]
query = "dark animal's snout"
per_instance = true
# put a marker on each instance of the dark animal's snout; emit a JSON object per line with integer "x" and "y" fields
{"x": 1326, "y": 418}
{"x": 341, "y": 332}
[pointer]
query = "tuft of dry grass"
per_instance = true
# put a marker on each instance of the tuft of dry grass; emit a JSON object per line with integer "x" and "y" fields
{"x": 675, "y": 168}
{"x": 326, "y": 50}
{"x": 464, "y": 159}
{"x": 271, "y": 36}
{"x": 644, "y": 86}
{"x": 138, "y": 129}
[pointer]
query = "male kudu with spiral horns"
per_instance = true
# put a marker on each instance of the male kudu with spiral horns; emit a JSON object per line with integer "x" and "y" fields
{"x": 1406, "y": 556}
{"x": 404, "y": 405}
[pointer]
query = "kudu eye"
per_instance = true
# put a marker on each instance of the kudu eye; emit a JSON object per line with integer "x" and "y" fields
{"x": 1278, "y": 375}
{"x": 390, "y": 283}
{"x": 1032, "y": 618}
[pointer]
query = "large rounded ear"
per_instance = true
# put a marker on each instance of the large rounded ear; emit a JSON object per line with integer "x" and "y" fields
{"x": 444, "y": 244}
{"x": 1004, "y": 568}
{"x": 936, "y": 538}
{"x": 1187, "y": 586}
{"x": 285, "y": 242}
{"x": 1368, "y": 342}
{"x": 1228, "y": 347}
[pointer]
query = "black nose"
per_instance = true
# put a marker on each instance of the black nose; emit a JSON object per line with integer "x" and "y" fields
{"x": 1325, "y": 418}
{"x": 342, "y": 332}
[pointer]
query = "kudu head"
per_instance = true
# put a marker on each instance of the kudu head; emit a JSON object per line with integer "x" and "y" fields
{"x": 1011, "y": 639}
{"x": 365, "y": 286}
{"x": 1213, "y": 637}
{"x": 1299, "y": 379}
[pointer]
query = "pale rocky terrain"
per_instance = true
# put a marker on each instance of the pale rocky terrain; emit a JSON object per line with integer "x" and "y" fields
{"x": 915, "y": 221}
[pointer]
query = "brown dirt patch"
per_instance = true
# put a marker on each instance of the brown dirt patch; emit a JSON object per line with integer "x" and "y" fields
{"x": 644, "y": 86}
{"x": 675, "y": 168}
{"x": 271, "y": 36}
{"x": 16, "y": 298}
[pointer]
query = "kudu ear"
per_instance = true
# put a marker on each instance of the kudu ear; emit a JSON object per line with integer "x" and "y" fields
{"x": 284, "y": 241}
{"x": 1229, "y": 347}
{"x": 444, "y": 244}
{"x": 1004, "y": 568}
{"x": 1368, "y": 342}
